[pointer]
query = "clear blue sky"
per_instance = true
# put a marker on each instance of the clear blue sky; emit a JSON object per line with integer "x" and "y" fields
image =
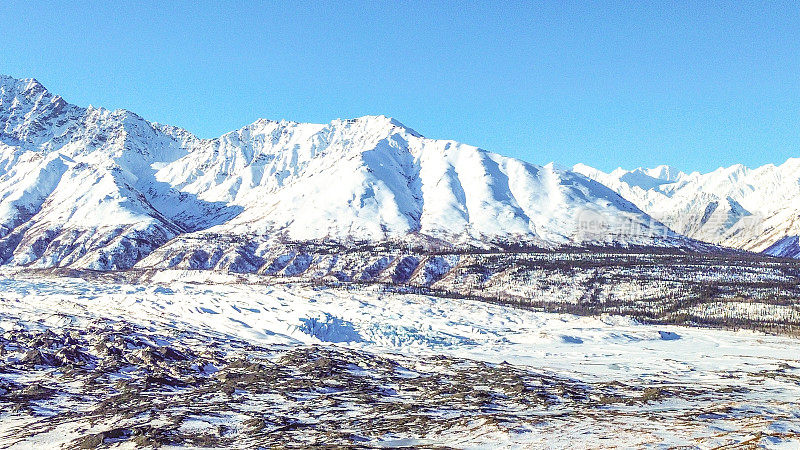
{"x": 609, "y": 84}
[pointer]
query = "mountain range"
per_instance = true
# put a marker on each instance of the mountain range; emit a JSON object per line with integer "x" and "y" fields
{"x": 751, "y": 209}
{"x": 108, "y": 190}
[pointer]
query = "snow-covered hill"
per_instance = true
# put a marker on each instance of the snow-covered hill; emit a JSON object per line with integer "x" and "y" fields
{"x": 89, "y": 187}
{"x": 751, "y": 209}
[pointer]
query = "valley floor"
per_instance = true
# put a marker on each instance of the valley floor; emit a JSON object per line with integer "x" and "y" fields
{"x": 185, "y": 361}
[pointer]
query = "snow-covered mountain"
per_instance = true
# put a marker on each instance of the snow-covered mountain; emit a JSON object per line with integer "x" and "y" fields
{"x": 89, "y": 187}
{"x": 751, "y": 209}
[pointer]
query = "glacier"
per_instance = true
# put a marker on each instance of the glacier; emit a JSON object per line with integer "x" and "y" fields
{"x": 194, "y": 363}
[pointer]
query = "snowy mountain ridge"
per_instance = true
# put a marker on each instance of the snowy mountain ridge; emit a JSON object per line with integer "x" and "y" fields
{"x": 751, "y": 209}
{"x": 100, "y": 189}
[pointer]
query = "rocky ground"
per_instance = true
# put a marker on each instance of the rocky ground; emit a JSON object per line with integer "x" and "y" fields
{"x": 112, "y": 383}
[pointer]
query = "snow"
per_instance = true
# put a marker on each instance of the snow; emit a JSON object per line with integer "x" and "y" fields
{"x": 79, "y": 187}
{"x": 603, "y": 349}
{"x": 739, "y": 207}
{"x": 108, "y": 190}
{"x": 411, "y": 324}
{"x": 788, "y": 246}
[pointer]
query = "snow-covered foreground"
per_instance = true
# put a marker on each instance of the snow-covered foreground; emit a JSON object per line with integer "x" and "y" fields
{"x": 640, "y": 384}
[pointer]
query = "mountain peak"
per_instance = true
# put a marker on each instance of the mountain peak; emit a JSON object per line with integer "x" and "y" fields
{"x": 664, "y": 172}
{"x": 379, "y": 119}
{"x": 26, "y": 86}
{"x": 375, "y": 122}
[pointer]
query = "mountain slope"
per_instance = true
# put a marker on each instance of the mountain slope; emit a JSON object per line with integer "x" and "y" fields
{"x": 88, "y": 187}
{"x": 751, "y": 209}
{"x": 77, "y": 187}
{"x": 372, "y": 178}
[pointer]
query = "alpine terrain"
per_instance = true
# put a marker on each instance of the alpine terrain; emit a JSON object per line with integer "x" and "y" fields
{"x": 367, "y": 287}
{"x": 99, "y": 189}
{"x": 750, "y": 209}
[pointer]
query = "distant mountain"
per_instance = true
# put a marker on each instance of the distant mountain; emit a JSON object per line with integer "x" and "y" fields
{"x": 751, "y": 209}
{"x": 93, "y": 188}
